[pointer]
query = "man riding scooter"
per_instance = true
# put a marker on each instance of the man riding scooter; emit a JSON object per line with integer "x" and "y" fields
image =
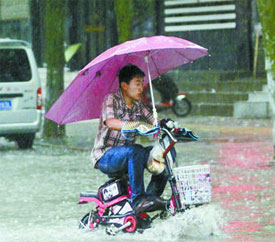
{"x": 114, "y": 153}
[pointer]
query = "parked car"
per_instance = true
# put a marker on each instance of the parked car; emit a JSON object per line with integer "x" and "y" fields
{"x": 20, "y": 93}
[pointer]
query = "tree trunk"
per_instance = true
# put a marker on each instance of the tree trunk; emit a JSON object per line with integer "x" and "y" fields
{"x": 124, "y": 13}
{"x": 35, "y": 18}
{"x": 266, "y": 10}
{"x": 54, "y": 27}
{"x": 159, "y": 10}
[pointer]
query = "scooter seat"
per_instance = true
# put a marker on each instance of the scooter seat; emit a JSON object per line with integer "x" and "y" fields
{"x": 89, "y": 194}
{"x": 117, "y": 175}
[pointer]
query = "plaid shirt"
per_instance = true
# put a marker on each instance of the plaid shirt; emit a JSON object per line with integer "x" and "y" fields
{"x": 114, "y": 106}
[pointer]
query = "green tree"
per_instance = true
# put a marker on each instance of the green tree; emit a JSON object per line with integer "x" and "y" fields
{"x": 124, "y": 16}
{"x": 267, "y": 16}
{"x": 54, "y": 27}
{"x": 266, "y": 10}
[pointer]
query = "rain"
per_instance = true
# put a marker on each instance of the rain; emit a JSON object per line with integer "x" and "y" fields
{"x": 229, "y": 106}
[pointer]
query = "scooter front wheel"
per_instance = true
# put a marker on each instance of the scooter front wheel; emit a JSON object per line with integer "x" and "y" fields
{"x": 87, "y": 222}
{"x": 181, "y": 106}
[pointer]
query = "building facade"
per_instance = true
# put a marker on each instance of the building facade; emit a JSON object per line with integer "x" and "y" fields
{"x": 225, "y": 27}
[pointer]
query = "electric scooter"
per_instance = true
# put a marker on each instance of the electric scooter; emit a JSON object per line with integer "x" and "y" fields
{"x": 190, "y": 186}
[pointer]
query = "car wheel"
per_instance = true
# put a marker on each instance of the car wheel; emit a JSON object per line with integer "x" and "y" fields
{"x": 25, "y": 141}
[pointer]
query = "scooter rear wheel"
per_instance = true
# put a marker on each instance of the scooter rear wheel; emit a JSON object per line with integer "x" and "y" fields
{"x": 132, "y": 228}
{"x": 181, "y": 107}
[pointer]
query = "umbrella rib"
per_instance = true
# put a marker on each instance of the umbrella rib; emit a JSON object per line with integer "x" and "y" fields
{"x": 187, "y": 57}
{"x": 183, "y": 55}
{"x": 155, "y": 65}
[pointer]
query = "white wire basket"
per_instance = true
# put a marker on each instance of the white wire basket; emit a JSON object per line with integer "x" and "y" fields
{"x": 193, "y": 184}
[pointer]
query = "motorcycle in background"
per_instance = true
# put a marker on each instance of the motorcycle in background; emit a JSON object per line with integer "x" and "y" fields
{"x": 179, "y": 103}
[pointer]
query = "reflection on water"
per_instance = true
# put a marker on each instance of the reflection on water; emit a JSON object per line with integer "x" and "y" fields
{"x": 245, "y": 189}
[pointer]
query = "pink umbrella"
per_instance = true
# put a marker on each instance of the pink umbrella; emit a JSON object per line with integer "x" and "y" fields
{"x": 82, "y": 100}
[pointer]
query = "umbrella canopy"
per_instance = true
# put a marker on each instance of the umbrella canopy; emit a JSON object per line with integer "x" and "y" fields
{"x": 83, "y": 98}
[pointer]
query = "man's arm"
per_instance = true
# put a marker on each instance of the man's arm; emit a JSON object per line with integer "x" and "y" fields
{"x": 114, "y": 123}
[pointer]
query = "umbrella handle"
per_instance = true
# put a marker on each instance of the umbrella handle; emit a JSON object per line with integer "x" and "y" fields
{"x": 155, "y": 114}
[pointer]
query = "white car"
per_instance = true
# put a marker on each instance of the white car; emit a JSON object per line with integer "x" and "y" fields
{"x": 20, "y": 93}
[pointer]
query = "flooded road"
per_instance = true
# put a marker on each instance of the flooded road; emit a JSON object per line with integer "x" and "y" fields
{"x": 39, "y": 188}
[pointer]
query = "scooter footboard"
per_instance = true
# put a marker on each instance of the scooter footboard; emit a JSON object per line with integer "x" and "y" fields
{"x": 193, "y": 184}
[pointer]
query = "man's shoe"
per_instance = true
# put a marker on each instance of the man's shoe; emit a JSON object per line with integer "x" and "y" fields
{"x": 144, "y": 205}
{"x": 162, "y": 203}
{"x": 157, "y": 203}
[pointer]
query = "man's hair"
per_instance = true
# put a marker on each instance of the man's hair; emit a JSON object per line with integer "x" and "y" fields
{"x": 128, "y": 72}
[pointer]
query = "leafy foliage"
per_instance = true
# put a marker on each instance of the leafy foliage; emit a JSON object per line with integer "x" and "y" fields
{"x": 267, "y": 15}
{"x": 124, "y": 14}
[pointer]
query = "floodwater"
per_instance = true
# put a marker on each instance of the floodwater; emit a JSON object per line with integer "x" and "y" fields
{"x": 39, "y": 188}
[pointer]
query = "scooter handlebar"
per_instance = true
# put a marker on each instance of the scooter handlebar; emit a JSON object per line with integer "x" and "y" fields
{"x": 181, "y": 134}
{"x": 173, "y": 130}
{"x": 185, "y": 135}
{"x": 176, "y": 134}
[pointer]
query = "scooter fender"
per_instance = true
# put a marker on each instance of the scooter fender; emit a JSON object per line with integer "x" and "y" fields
{"x": 180, "y": 96}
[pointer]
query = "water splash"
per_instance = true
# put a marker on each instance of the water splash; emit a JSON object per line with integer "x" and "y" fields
{"x": 196, "y": 224}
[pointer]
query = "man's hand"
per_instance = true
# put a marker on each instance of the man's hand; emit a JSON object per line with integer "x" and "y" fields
{"x": 138, "y": 127}
{"x": 168, "y": 124}
{"x": 114, "y": 123}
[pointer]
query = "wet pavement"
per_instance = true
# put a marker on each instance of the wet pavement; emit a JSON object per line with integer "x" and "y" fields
{"x": 39, "y": 187}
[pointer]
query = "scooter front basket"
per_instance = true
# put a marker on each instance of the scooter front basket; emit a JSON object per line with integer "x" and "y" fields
{"x": 193, "y": 184}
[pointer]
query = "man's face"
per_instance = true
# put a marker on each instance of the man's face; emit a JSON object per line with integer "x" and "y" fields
{"x": 134, "y": 89}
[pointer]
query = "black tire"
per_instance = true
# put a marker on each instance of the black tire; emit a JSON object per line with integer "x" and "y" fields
{"x": 181, "y": 107}
{"x": 25, "y": 141}
{"x": 84, "y": 221}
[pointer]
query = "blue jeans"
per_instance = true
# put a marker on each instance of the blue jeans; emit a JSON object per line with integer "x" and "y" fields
{"x": 133, "y": 159}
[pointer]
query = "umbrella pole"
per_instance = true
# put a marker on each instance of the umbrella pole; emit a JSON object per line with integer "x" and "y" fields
{"x": 155, "y": 114}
